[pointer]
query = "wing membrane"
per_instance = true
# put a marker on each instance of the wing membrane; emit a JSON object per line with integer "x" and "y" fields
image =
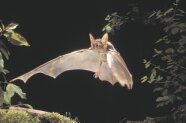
{"x": 119, "y": 69}
{"x": 82, "y": 59}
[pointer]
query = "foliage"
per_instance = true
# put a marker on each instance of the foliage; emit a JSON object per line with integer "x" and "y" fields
{"x": 168, "y": 64}
{"x": 7, "y": 90}
{"x": 166, "y": 69}
{"x": 114, "y": 21}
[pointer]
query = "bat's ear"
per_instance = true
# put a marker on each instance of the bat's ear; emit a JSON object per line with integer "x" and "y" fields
{"x": 104, "y": 39}
{"x": 92, "y": 40}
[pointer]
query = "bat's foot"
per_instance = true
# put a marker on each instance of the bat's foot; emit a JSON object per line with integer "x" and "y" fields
{"x": 96, "y": 75}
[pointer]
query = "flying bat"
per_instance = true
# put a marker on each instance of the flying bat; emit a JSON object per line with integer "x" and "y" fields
{"x": 101, "y": 58}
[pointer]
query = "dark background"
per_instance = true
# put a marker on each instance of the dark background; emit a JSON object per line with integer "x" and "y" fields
{"x": 56, "y": 27}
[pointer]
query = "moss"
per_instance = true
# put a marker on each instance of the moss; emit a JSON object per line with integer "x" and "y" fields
{"x": 13, "y": 116}
{"x": 16, "y": 116}
{"x": 57, "y": 118}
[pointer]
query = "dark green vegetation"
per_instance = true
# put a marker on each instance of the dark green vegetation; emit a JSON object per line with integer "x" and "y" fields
{"x": 166, "y": 69}
{"x": 8, "y": 90}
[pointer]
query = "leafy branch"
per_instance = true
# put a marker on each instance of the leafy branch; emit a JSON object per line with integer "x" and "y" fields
{"x": 115, "y": 21}
{"x": 171, "y": 54}
{"x": 8, "y": 90}
{"x": 166, "y": 69}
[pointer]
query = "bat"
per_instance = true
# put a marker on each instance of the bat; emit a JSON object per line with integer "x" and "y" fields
{"x": 101, "y": 58}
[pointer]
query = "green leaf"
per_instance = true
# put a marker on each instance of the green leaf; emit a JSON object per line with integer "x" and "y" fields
{"x": 169, "y": 66}
{"x": 177, "y": 1}
{"x": 158, "y": 13}
{"x": 144, "y": 79}
{"x": 5, "y": 71}
{"x": 182, "y": 41}
{"x": 7, "y": 98}
{"x": 160, "y": 40}
{"x": 181, "y": 11}
{"x": 162, "y": 99}
{"x": 2, "y": 70}
{"x": 147, "y": 64}
{"x": 170, "y": 50}
{"x": 168, "y": 11}
{"x": 155, "y": 55}
{"x": 4, "y": 50}
{"x": 182, "y": 76}
{"x": 2, "y": 27}
{"x": 181, "y": 49}
{"x": 180, "y": 89}
{"x": 144, "y": 61}
{"x": 179, "y": 98}
{"x": 175, "y": 30}
{"x": 114, "y": 14}
{"x": 1, "y": 62}
{"x": 181, "y": 25}
{"x": 168, "y": 19}
{"x": 108, "y": 17}
{"x": 168, "y": 77}
{"x": 107, "y": 28}
{"x": 157, "y": 89}
{"x": 11, "y": 26}
{"x": 152, "y": 76}
{"x": 152, "y": 14}
{"x": 1, "y": 96}
{"x": 165, "y": 92}
{"x": 161, "y": 104}
{"x": 169, "y": 27}
{"x": 159, "y": 78}
{"x": 158, "y": 51}
{"x": 15, "y": 38}
{"x": 168, "y": 58}
{"x": 167, "y": 41}
{"x": 11, "y": 89}
{"x": 180, "y": 15}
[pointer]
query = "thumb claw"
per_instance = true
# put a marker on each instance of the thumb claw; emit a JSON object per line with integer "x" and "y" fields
{"x": 95, "y": 75}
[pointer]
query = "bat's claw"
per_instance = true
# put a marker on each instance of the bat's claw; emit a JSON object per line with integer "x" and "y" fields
{"x": 96, "y": 75}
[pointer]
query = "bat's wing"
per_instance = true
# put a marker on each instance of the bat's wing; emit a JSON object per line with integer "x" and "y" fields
{"x": 119, "y": 69}
{"x": 85, "y": 59}
{"x": 106, "y": 74}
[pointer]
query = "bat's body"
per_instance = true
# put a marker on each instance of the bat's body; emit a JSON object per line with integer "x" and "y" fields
{"x": 101, "y": 58}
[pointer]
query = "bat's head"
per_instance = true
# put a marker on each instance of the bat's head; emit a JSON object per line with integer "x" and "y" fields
{"x": 99, "y": 43}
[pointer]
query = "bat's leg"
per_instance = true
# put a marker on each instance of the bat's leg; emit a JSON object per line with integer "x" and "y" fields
{"x": 96, "y": 75}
